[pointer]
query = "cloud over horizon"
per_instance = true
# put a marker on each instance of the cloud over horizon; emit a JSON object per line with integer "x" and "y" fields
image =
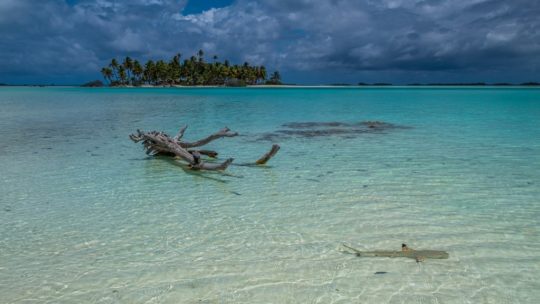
{"x": 309, "y": 41}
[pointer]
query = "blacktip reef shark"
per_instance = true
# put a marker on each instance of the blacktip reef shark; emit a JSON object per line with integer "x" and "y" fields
{"x": 405, "y": 252}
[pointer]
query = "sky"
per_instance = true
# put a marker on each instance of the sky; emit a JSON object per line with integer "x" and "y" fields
{"x": 308, "y": 41}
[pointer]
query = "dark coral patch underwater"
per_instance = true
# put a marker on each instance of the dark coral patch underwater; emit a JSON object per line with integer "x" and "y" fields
{"x": 327, "y": 129}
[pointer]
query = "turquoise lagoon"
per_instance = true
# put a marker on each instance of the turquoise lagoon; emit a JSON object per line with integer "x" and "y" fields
{"x": 87, "y": 217}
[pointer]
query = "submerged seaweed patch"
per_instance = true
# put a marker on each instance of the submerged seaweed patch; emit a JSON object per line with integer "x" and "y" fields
{"x": 273, "y": 137}
{"x": 315, "y": 132}
{"x": 307, "y": 125}
{"x": 326, "y": 129}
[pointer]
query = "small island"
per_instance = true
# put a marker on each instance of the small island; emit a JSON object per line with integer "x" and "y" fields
{"x": 194, "y": 71}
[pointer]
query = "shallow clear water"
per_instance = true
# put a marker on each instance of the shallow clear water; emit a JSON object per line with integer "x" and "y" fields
{"x": 85, "y": 216}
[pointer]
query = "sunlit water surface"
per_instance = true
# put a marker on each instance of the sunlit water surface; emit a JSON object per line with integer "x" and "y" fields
{"x": 87, "y": 217}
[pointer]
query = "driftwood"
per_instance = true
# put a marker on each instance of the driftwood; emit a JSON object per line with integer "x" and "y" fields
{"x": 209, "y": 153}
{"x": 159, "y": 143}
{"x": 225, "y": 132}
{"x": 266, "y": 157}
{"x": 418, "y": 255}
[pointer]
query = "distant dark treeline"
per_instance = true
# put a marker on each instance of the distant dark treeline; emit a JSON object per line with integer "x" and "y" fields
{"x": 93, "y": 84}
{"x": 189, "y": 72}
{"x": 375, "y": 84}
{"x": 452, "y": 84}
{"x": 476, "y": 84}
{"x": 455, "y": 84}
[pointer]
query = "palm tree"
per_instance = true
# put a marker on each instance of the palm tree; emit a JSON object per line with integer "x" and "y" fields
{"x": 149, "y": 73}
{"x": 114, "y": 66}
{"x": 175, "y": 68}
{"x": 128, "y": 66}
{"x": 137, "y": 72}
{"x": 262, "y": 73}
{"x": 191, "y": 71}
{"x": 275, "y": 78}
{"x": 107, "y": 74}
{"x": 162, "y": 71}
{"x": 122, "y": 75}
{"x": 200, "y": 53}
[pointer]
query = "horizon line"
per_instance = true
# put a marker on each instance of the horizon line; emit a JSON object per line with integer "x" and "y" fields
{"x": 360, "y": 84}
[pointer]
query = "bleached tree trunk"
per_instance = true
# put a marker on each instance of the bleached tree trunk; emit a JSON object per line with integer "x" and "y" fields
{"x": 159, "y": 143}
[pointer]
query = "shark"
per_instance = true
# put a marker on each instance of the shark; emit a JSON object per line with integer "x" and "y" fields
{"x": 418, "y": 255}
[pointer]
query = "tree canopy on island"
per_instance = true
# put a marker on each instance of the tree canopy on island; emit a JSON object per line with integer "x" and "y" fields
{"x": 189, "y": 72}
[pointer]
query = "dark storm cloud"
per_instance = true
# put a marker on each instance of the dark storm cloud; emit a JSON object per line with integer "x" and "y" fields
{"x": 42, "y": 39}
{"x": 417, "y": 35}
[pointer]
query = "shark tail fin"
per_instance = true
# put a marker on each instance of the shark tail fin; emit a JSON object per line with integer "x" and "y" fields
{"x": 352, "y": 250}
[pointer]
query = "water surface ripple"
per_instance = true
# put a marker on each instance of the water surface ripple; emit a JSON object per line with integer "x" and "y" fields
{"x": 87, "y": 217}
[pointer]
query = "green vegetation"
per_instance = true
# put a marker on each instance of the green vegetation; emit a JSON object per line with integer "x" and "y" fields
{"x": 189, "y": 72}
{"x": 93, "y": 84}
{"x": 275, "y": 79}
{"x": 374, "y": 84}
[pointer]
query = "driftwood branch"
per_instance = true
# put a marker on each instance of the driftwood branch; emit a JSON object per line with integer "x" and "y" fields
{"x": 180, "y": 133}
{"x": 225, "y": 132}
{"x": 266, "y": 157}
{"x": 209, "y": 153}
{"x": 159, "y": 143}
